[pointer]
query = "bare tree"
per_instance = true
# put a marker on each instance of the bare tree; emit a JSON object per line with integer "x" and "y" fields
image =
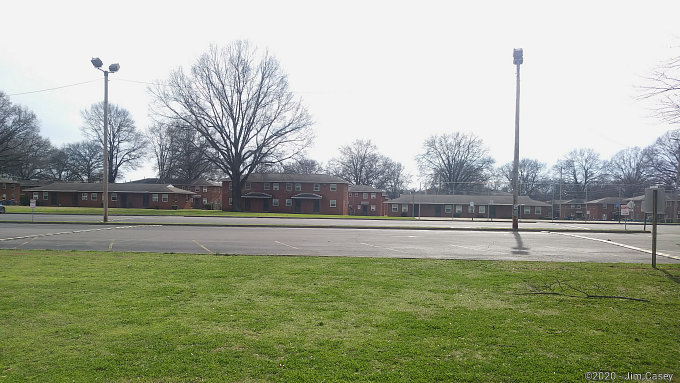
{"x": 127, "y": 146}
{"x": 630, "y": 170}
{"x": 663, "y": 86}
{"x": 17, "y": 125}
{"x": 303, "y": 166}
{"x": 34, "y": 157}
{"x": 86, "y": 162}
{"x": 458, "y": 162}
{"x": 359, "y": 163}
{"x": 240, "y": 103}
{"x": 533, "y": 177}
{"x": 581, "y": 168}
{"x": 663, "y": 158}
{"x": 393, "y": 178}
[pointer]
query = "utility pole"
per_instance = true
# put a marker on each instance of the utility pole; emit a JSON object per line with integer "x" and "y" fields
{"x": 518, "y": 59}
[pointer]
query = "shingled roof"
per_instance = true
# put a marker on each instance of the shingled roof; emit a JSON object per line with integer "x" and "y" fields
{"x": 437, "y": 199}
{"x": 302, "y": 178}
{"x": 113, "y": 188}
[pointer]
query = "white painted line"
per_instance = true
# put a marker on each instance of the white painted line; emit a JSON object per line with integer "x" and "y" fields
{"x": 111, "y": 244}
{"x": 285, "y": 244}
{"x": 380, "y": 247}
{"x": 203, "y": 247}
{"x": 618, "y": 244}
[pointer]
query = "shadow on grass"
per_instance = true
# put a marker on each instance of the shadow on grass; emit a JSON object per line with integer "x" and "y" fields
{"x": 674, "y": 278}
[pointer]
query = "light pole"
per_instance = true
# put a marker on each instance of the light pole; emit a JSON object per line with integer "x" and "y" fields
{"x": 518, "y": 58}
{"x": 112, "y": 69}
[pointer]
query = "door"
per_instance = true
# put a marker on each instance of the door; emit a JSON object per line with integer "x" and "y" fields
{"x": 145, "y": 201}
{"x": 75, "y": 199}
{"x": 54, "y": 198}
{"x": 364, "y": 209}
{"x": 247, "y": 207}
{"x": 265, "y": 205}
{"x": 298, "y": 206}
{"x": 416, "y": 210}
{"x": 123, "y": 199}
{"x": 317, "y": 206}
{"x": 437, "y": 210}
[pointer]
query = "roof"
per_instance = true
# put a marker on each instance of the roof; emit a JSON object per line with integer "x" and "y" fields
{"x": 364, "y": 189}
{"x": 113, "y": 188}
{"x": 437, "y": 199}
{"x": 301, "y": 178}
{"x": 607, "y": 200}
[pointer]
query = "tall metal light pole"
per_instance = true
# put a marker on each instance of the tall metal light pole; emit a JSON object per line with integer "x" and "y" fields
{"x": 518, "y": 58}
{"x": 112, "y": 69}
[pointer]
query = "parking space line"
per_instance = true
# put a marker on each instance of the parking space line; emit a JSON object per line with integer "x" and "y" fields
{"x": 617, "y": 244}
{"x": 203, "y": 247}
{"x": 285, "y": 244}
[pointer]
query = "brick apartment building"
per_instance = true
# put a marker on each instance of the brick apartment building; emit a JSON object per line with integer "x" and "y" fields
{"x": 290, "y": 193}
{"x": 366, "y": 200}
{"x": 465, "y": 206}
{"x": 207, "y": 194}
{"x": 127, "y": 195}
{"x": 10, "y": 192}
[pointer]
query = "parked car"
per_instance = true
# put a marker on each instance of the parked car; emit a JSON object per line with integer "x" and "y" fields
{"x": 2, "y": 209}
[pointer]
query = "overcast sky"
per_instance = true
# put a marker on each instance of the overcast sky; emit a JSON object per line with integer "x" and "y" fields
{"x": 390, "y": 71}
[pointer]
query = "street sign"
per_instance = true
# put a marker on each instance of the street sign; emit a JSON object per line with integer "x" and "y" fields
{"x": 625, "y": 210}
{"x": 660, "y": 200}
{"x": 32, "y": 203}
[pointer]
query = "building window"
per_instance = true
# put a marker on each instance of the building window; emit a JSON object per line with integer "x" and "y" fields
{"x": 4, "y": 186}
{"x": 248, "y": 186}
{"x": 471, "y": 209}
{"x": 230, "y": 185}
{"x": 372, "y": 207}
{"x": 333, "y": 203}
{"x": 447, "y": 209}
{"x": 537, "y": 210}
{"x": 205, "y": 201}
{"x": 527, "y": 210}
{"x": 289, "y": 202}
{"x": 364, "y": 196}
{"x": 289, "y": 186}
{"x": 395, "y": 208}
{"x": 459, "y": 209}
{"x": 275, "y": 186}
{"x": 197, "y": 188}
{"x": 230, "y": 201}
{"x": 83, "y": 196}
{"x": 356, "y": 195}
{"x": 114, "y": 196}
{"x": 267, "y": 185}
{"x": 298, "y": 187}
{"x": 93, "y": 196}
{"x": 604, "y": 205}
{"x": 35, "y": 196}
{"x": 46, "y": 196}
{"x": 317, "y": 187}
{"x": 482, "y": 209}
{"x": 275, "y": 202}
{"x": 372, "y": 195}
{"x": 358, "y": 207}
{"x": 164, "y": 197}
{"x": 404, "y": 208}
{"x": 205, "y": 189}
{"x": 154, "y": 197}
{"x": 334, "y": 187}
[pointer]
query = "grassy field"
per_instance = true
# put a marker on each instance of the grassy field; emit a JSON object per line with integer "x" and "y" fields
{"x": 180, "y": 212}
{"x": 141, "y": 317}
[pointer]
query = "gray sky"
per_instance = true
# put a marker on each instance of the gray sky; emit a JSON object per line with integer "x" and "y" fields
{"x": 394, "y": 72}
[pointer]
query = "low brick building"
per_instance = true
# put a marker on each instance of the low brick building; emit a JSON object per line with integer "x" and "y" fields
{"x": 207, "y": 194}
{"x": 290, "y": 193}
{"x": 10, "y": 192}
{"x": 465, "y": 206}
{"x": 127, "y": 195}
{"x": 366, "y": 200}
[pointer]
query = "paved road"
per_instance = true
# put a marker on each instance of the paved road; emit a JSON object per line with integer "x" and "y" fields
{"x": 534, "y": 246}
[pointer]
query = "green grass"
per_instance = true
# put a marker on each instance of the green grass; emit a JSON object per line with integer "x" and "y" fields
{"x": 142, "y": 317}
{"x": 179, "y": 212}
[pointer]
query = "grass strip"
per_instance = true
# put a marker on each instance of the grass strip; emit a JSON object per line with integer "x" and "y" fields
{"x": 145, "y": 317}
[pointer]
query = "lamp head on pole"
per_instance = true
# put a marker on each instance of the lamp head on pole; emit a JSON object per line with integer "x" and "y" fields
{"x": 114, "y": 67}
{"x": 97, "y": 62}
{"x": 518, "y": 56}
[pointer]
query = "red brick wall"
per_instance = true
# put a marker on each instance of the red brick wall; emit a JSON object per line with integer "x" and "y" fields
{"x": 306, "y": 206}
{"x": 10, "y": 191}
{"x": 134, "y": 200}
{"x": 496, "y": 211}
{"x": 359, "y": 200}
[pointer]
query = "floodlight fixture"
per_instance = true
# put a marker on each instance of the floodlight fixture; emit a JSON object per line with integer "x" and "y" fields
{"x": 114, "y": 67}
{"x": 518, "y": 56}
{"x": 97, "y": 62}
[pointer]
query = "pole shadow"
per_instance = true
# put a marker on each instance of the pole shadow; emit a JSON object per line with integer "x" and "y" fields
{"x": 519, "y": 249}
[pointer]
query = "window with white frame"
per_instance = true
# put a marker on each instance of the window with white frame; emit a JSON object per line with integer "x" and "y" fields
{"x": 164, "y": 197}
{"x": 46, "y": 195}
{"x": 231, "y": 200}
{"x": 83, "y": 196}
{"x": 537, "y": 210}
{"x": 289, "y": 186}
{"x": 527, "y": 209}
{"x": 266, "y": 185}
{"x": 604, "y": 205}
{"x": 205, "y": 189}
{"x": 482, "y": 209}
{"x": 395, "y": 208}
{"x": 334, "y": 187}
{"x": 230, "y": 186}
{"x": 275, "y": 202}
{"x": 114, "y": 196}
{"x": 358, "y": 207}
{"x": 154, "y": 197}
{"x": 317, "y": 187}
{"x": 197, "y": 188}
{"x": 275, "y": 186}
{"x": 35, "y": 195}
{"x": 93, "y": 196}
{"x": 356, "y": 195}
{"x": 471, "y": 209}
{"x": 372, "y": 207}
{"x": 298, "y": 187}
{"x": 364, "y": 196}
{"x": 333, "y": 203}
{"x": 372, "y": 195}
{"x": 289, "y": 202}
{"x": 447, "y": 209}
{"x": 459, "y": 209}
{"x": 205, "y": 201}
{"x": 404, "y": 208}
